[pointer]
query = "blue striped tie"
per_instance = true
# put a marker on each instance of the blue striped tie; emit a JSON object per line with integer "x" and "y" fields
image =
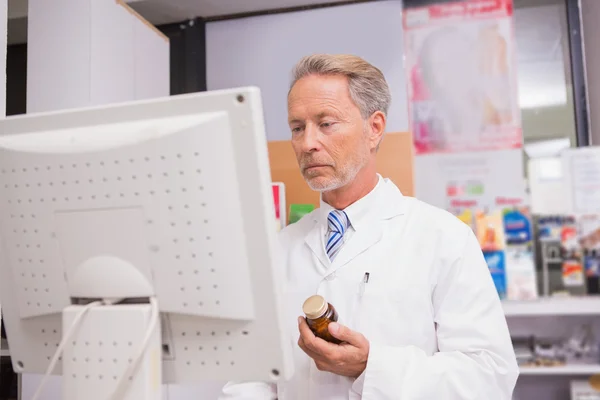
{"x": 338, "y": 224}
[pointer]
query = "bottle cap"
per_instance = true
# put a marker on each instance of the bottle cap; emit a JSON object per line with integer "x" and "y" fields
{"x": 315, "y": 306}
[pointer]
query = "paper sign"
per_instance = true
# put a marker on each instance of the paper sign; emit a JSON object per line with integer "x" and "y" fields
{"x": 547, "y": 187}
{"x": 478, "y": 180}
{"x": 581, "y": 169}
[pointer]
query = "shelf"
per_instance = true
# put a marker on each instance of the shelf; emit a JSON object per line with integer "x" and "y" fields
{"x": 564, "y": 370}
{"x": 553, "y": 306}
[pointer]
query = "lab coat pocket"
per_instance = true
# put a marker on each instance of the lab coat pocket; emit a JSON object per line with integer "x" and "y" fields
{"x": 370, "y": 315}
{"x": 389, "y": 316}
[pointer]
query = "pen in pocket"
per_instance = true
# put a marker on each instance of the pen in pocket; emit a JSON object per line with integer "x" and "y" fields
{"x": 364, "y": 282}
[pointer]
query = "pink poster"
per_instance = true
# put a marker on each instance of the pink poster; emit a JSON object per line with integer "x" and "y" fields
{"x": 460, "y": 60}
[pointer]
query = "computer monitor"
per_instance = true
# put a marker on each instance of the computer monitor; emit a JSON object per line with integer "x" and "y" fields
{"x": 167, "y": 199}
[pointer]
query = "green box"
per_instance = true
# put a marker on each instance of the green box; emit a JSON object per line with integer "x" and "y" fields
{"x": 298, "y": 211}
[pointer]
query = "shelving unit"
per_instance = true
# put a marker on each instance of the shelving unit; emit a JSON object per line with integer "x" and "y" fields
{"x": 572, "y": 370}
{"x": 551, "y": 317}
{"x": 553, "y": 306}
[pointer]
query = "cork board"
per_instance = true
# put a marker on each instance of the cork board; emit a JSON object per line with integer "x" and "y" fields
{"x": 394, "y": 161}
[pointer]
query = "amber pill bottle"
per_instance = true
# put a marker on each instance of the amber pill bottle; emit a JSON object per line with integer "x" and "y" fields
{"x": 319, "y": 314}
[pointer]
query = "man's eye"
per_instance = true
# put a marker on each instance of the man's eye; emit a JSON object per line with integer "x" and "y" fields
{"x": 296, "y": 129}
{"x": 326, "y": 124}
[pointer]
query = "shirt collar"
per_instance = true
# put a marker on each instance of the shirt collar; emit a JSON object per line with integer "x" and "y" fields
{"x": 356, "y": 211}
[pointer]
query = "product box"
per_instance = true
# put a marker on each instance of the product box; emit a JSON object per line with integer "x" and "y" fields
{"x": 585, "y": 390}
{"x": 549, "y": 227}
{"x": 520, "y": 261}
{"x": 589, "y": 232}
{"x": 560, "y": 258}
{"x": 591, "y": 263}
{"x": 297, "y": 211}
{"x": 490, "y": 231}
{"x": 589, "y": 239}
{"x": 573, "y": 275}
{"x": 497, "y": 265}
{"x": 490, "y": 234}
{"x": 466, "y": 216}
{"x": 517, "y": 226}
{"x": 520, "y": 273}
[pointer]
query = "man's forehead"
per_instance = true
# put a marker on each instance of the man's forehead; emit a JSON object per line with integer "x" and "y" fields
{"x": 299, "y": 117}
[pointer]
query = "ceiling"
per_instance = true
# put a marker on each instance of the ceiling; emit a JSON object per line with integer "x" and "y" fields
{"x": 167, "y": 11}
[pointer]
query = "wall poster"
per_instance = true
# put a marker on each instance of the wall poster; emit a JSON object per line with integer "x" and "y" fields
{"x": 461, "y": 66}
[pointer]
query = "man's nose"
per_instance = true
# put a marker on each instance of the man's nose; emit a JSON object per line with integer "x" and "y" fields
{"x": 310, "y": 139}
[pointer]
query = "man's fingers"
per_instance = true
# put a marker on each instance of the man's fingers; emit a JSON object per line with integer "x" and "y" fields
{"x": 308, "y": 351}
{"x": 346, "y": 334}
{"x": 313, "y": 343}
{"x": 305, "y": 331}
{"x": 322, "y": 363}
{"x": 323, "y": 366}
{"x": 307, "y": 337}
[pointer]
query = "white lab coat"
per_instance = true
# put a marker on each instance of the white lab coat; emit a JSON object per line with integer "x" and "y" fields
{"x": 430, "y": 310}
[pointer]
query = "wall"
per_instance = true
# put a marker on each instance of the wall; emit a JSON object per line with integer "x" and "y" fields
{"x": 262, "y": 50}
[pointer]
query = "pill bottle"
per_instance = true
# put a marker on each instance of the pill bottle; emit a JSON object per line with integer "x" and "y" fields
{"x": 319, "y": 314}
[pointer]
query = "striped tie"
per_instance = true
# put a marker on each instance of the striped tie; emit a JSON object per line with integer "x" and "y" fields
{"x": 338, "y": 224}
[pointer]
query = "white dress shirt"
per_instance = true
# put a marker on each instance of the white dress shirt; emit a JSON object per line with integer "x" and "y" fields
{"x": 429, "y": 310}
{"x": 355, "y": 212}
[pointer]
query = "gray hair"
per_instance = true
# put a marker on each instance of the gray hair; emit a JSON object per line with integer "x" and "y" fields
{"x": 368, "y": 88}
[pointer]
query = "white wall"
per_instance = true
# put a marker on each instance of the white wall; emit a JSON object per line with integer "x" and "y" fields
{"x": 92, "y": 52}
{"x": 262, "y": 50}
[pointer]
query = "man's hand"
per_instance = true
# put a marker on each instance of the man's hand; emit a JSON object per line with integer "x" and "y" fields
{"x": 347, "y": 359}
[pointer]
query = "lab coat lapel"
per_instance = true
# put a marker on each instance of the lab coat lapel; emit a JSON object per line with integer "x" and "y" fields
{"x": 360, "y": 242}
{"x": 389, "y": 204}
{"x": 314, "y": 240}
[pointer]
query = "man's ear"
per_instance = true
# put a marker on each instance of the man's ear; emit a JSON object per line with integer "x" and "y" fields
{"x": 377, "y": 122}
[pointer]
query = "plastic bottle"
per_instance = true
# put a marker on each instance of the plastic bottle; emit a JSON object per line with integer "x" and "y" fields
{"x": 319, "y": 314}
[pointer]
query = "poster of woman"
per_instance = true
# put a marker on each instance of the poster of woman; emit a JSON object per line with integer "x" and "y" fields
{"x": 462, "y": 77}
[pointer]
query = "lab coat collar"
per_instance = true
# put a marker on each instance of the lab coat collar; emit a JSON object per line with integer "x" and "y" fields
{"x": 358, "y": 211}
{"x": 388, "y": 203}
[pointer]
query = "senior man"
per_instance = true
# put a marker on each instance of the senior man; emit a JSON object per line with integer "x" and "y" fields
{"x": 419, "y": 315}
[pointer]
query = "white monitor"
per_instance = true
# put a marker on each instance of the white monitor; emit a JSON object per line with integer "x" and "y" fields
{"x": 168, "y": 199}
